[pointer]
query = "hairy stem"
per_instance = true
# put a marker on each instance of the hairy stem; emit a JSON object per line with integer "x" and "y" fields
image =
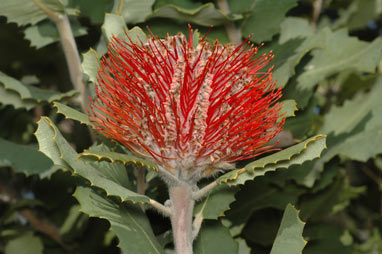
{"x": 72, "y": 59}
{"x": 70, "y": 50}
{"x": 197, "y": 224}
{"x": 182, "y": 206}
{"x": 160, "y": 208}
{"x": 204, "y": 191}
{"x": 317, "y": 5}
{"x": 233, "y": 33}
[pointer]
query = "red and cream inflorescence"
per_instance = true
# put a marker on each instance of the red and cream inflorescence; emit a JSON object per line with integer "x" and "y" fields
{"x": 193, "y": 108}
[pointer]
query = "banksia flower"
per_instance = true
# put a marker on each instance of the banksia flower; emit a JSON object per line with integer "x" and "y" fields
{"x": 192, "y": 108}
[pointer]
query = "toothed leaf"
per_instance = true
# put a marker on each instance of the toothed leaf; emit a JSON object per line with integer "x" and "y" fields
{"x": 297, "y": 154}
{"x": 128, "y": 221}
{"x": 289, "y": 237}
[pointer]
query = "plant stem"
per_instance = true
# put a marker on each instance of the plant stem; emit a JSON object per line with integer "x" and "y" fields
{"x": 197, "y": 224}
{"x": 160, "y": 208}
{"x": 233, "y": 33}
{"x": 182, "y": 206}
{"x": 72, "y": 59}
{"x": 205, "y": 190}
{"x": 70, "y": 50}
{"x": 317, "y": 6}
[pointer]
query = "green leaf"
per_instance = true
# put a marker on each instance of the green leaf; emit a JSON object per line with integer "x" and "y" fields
{"x": 259, "y": 194}
{"x": 113, "y": 25}
{"x": 32, "y": 92}
{"x": 289, "y": 237}
{"x": 265, "y": 18}
{"x": 90, "y": 64}
{"x": 71, "y": 113}
{"x": 358, "y": 14}
{"x": 353, "y": 54}
{"x": 96, "y": 174}
{"x": 325, "y": 238}
{"x": 261, "y": 228}
{"x": 45, "y": 33}
{"x": 24, "y": 12}
{"x": 333, "y": 199}
{"x": 216, "y": 202}
{"x": 127, "y": 221}
{"x": 133, "y": 11}
{"x": 45, "y": 136}
{"x": 9, "y": 97}
{"x": 288, "y": 108}
{"x": 114, "y": 157}
{"x": 302, "y": 123}
{"x": 297, "y": 154}
{"x": 205, "y": 15}
{"x": 288, "y": 54}
{"x": 343, "y": 119}
{"x": 25, "y": 244}
{"x": 215, "y": 238}
{"x": 31, "y": 162}
{"x": 74, "y": 224}
{"x": 115, "y": 171}
{"x": 364, "y": 121}
{"x": 294, "y": 27}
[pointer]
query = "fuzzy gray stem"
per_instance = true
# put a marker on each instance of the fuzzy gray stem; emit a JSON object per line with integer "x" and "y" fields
{"x": 70, "y": 50}
{"x": 197, "y": 224}
{"x": 205, "y": 190}
{"x": 160, "y": 208}
{"x": 72, "y": 58}
{"x": 233, "y": 33}
{"x": 182, "y": 206}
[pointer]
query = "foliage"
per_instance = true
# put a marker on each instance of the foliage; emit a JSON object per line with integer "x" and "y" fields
{"x": 67, "y": 189}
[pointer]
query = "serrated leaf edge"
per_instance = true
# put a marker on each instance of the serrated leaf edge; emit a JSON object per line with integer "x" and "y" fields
{"x": 74, "y": 172}
{"x": 66, "y": 117}
{"x": 242, "y": 170}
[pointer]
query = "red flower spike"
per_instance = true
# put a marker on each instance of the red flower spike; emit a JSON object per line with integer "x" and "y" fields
{"x": 191, "y": 109}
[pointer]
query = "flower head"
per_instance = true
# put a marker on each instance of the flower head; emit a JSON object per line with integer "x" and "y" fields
{"x": 191, "y": 108}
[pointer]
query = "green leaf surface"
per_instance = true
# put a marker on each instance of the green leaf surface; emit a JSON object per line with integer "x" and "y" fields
{"x": 9, "y": 97}
{"x": 133, "y": 11}
{"x": 359, "y": 14}
{"x": 215, "y": 238}
{"x": 45, "y": 33}
{"x": 116, "y": 157}
{"x": 71, "y": 113}
{"x": 333, "y": 199}
{"x": 216, "y": 202}
{"x": 353, "y": 54}
{"x": 297, "y": 154}
{"x": 265, "y": 18}
{"x": 288, "y": 54}
{"x": 45, "y": 137}
{"x": 31, "y": 161}
{"x": 26, "y": 243}
{"x": 259, "y": 194}
{"x": 288, "y": 108}
{"x": 205, "y": 15}
{"x": 364, "y": 123}
{"x": 115, "y": 171}
{"x": 289, "y": 237}
{"x": 113, "y": 25}
{"x": 127, "y": 221}
{"x": 96, "y": 174}
{"x": 90, "y": 64}
{"x": 31, "y": 92}
{"x": 294, "y": 27}
{"x": 325, "y": 238}
{"x": 343, "y": 119}
{"x": 24, "y": 12}
{"x": 261, "y": 228}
